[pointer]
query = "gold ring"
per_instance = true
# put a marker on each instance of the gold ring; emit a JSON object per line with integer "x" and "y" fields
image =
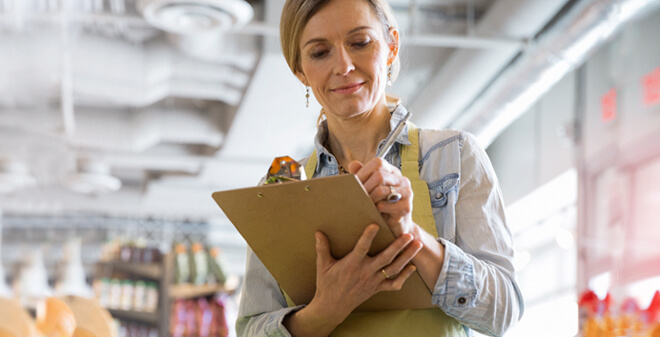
{"x": 384, "y": 273}
{"x": 394, "y": 196}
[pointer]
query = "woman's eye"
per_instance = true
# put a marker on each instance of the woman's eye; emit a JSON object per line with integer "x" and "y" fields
{"x": 360, "y": 44}
{"x": 318, "y": 54}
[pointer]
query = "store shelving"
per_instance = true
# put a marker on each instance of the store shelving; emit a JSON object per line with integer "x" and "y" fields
{"x": 153, "y": 271}
{"x": 162, "y": 273}
{"x": 186, "y": 291}
{"x": 138, "y": 316}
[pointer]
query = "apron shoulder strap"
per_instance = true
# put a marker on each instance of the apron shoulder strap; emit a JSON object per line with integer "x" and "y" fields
{"x": 422, "y": 211}
{"x": 310, "y": 167}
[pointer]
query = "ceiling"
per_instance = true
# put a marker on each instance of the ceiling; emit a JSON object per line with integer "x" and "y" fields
{"x": 90, "y": 90}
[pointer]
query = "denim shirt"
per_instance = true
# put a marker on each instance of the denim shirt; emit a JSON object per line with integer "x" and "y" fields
{"x": 476, "y": 285}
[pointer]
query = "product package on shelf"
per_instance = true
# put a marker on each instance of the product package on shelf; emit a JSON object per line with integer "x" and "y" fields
{"x": 601, "y": 318}
{"x": 137, "y": 251}
{"x": 181, "y": 264}
{"x": 199, "y": 264}
{"x": 199, "y": 317}
{"x": 128, "y": 295}
{"x": 217, "y": 265}
{"x": 133, "y": 329}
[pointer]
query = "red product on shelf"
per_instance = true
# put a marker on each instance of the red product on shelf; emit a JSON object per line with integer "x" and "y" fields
{"x": 178, "y": 319}
{"x": 588, "y": 303}
{"x": 219, "y": 327}
{"x": 190, "y": 321}
{"x": 204, "y": 317}
{"x": 652, "y": 313}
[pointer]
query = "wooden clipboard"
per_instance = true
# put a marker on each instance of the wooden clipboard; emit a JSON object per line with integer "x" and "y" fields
{"x": 278, "y": 221}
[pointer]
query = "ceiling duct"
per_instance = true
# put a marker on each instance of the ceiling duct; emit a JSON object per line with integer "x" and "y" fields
{"x": 469, "y": 71}
{"x": 566, "y": 46}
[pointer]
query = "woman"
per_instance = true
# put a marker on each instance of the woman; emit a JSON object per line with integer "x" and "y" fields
{"x": 453, "y": 230}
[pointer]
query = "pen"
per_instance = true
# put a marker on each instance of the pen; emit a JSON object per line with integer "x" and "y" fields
{"x": 389, "y": 141}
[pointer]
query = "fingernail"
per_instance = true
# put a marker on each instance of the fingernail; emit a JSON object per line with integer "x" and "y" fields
{"x": 318, "y": 239}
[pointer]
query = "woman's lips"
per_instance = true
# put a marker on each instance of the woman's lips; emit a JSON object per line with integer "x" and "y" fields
{"x": 348, "y": 89}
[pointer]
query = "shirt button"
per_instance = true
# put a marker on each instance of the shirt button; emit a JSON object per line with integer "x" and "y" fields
{"x": 439, "y": 195}
{"x": 461, "y": 300}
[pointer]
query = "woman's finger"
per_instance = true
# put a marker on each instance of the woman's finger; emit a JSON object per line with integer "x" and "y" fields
{"x": 396, "y": 209}
{"x": 377, "y": 172}
{"x": 388, "y": 255}
{"x": 323, "y": 256}
{"x": 403, "y": 259}
{"x": 397, "y": 282}
{"x": 354, "y": 167}
{"x": 364, "y": 242}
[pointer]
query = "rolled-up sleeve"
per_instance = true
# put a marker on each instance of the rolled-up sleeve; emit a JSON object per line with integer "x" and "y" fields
{"x": 477, "y": 284}
{"x": 262, "y": 306}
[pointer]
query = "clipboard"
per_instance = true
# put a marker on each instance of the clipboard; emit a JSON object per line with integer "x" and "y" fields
{"x": 278, "y": 221}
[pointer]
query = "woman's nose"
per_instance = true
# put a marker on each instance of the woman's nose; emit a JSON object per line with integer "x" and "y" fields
{"x": 344, "y": 62}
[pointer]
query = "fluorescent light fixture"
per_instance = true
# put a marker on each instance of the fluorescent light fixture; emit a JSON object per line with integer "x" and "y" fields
{"x": 543, "y": 202}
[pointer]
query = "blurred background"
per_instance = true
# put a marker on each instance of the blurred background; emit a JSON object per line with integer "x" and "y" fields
{"x": 119, "y": 118}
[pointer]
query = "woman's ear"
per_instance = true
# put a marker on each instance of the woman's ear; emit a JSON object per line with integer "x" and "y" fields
{"x": 393, "y": 46}
{"x": 302, "y": 78}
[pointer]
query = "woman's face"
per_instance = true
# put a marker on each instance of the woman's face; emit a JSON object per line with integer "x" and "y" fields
{"x": 345, "y": 56}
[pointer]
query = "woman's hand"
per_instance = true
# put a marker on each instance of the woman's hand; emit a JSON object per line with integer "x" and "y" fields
{"x": 342, "y": 285}
{"x": 380, "y": 179}
{"x": 377, "y": 176}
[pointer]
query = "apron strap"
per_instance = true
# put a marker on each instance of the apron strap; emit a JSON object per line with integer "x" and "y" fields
{"x": 422, "y": 211}
{"x": 310, "y": 167}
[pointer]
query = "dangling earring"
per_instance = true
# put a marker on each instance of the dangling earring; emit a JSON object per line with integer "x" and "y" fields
{"x": 307, "y": 98}
{"x": 389, "y": 76}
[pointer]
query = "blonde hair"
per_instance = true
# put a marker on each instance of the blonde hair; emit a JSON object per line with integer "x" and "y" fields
{"x": 296, "y": 14}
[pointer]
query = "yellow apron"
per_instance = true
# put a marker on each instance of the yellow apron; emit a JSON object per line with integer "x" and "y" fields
{"x": 417, "y": 322}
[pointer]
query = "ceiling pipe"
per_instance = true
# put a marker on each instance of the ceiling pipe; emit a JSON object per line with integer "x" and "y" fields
{"x": 567, "y": 45}
{"x": 467, "y": 72}
{"x": 460, "y": 41}
{"x": 66, "y": 97}
{"x": 425, "y": 40}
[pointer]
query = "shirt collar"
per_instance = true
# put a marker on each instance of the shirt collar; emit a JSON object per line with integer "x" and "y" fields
{"x": 322, "y": 132}
{"x": 397, "y": 115}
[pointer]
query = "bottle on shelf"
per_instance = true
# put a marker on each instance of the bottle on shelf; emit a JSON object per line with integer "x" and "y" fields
{"x": 140, "y": 296}
{"x": 217, "y": 265}
{"x": 114, "y": 302}
{"x": 181, "y": 264}
{"x": 127, "y": 297}
{"x": 198, "y": 264}
{"x": 151, "y": 304}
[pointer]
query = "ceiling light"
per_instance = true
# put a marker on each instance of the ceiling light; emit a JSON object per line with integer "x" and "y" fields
{"x": 14, "y": 176}
{"x": 191, "y": 17}
{"x": 92, "y": 178}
